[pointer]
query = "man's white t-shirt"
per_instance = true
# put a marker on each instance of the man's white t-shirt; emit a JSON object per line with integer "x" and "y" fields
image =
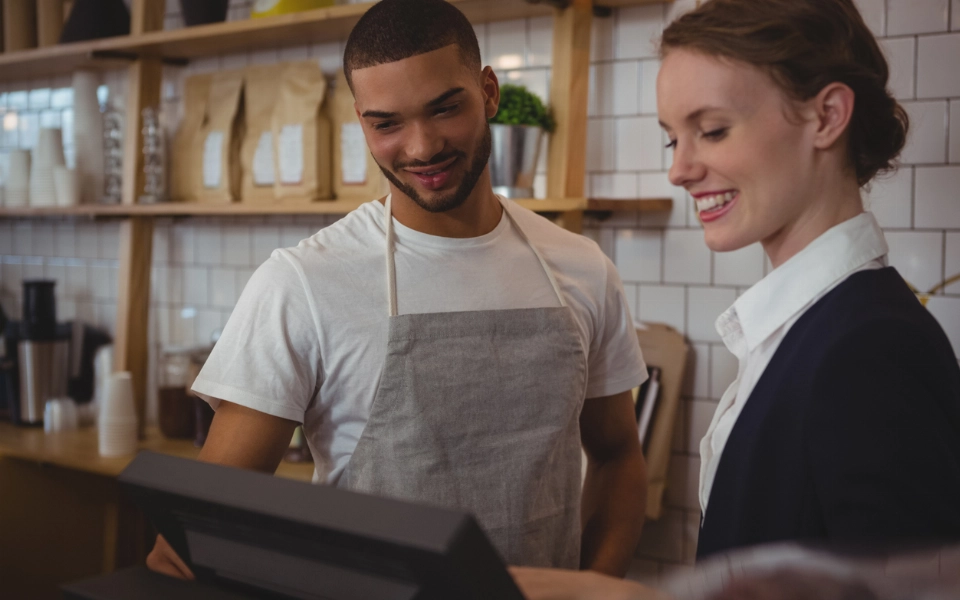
{"x": 307, "y": 339}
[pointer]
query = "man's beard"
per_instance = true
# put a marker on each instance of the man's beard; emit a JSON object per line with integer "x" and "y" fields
{"x": 458, "y": 196}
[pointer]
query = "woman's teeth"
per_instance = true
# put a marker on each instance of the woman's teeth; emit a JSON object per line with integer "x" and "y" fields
{"x": 715, "y": 201}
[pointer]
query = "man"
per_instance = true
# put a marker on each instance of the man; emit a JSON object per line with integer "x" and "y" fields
{"x": 457, "y": 353}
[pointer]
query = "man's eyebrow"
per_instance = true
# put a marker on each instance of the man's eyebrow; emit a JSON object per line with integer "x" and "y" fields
{"x": 381, "y": 114}
{"x": 378, "y": 114}
{"x": 444, "y": 97}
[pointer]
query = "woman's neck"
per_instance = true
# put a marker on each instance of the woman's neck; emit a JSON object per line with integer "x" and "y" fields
{"x": 836, "y": 200}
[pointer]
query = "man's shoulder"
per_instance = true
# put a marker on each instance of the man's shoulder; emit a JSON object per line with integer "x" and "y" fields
{"x": 558, "y": 245}
{"x": 351, "y": 236}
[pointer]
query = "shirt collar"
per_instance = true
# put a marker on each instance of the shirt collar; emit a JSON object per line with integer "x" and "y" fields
{"x": 786, "y": 290}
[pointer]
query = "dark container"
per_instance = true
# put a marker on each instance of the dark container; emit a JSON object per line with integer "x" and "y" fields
{"x": 39, "y": 311}
{"x": 95, "y": 19}
{"x": 202, "y": 12}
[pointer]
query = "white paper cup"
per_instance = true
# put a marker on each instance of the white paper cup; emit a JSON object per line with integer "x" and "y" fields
{"x": 60, "y": 414}
{"x": 18, "y": 179}
{"x": 66, "y": 183}
{"x": 47, "y": 156}
{"x": 117, "y": 439}
{"x": 118, "y": 403}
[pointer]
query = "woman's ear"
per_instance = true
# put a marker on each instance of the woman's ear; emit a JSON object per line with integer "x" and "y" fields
{"x": 491, "y": 91}
{"x": 834, "y": 110}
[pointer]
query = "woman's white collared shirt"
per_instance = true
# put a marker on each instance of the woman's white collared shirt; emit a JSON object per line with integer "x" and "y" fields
{"x": 754, "y": 326}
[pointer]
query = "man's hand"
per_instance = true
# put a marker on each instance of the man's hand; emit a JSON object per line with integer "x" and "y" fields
{"x": 558, "y": 584}
{"x": 163, "y": 559}
{"x": 239, "y": 437}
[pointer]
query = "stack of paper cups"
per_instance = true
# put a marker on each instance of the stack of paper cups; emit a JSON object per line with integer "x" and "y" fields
{"x": 47, "y": 156}
{"x": 118, "y": 418}
{"x": 88, "y": 135}
{"x": 67, "y": 186}
{"x": 18, "y": 179}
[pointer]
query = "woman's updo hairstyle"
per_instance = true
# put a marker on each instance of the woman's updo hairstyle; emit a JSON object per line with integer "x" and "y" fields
{"x": 804, "y": 45}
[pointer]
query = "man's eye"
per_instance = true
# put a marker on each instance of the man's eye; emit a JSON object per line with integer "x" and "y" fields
{"x": 445, "y": 109}
{"x": 384, "y": 125}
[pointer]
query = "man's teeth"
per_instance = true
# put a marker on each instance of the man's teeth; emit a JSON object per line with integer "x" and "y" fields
{"x": 715, "y": 201}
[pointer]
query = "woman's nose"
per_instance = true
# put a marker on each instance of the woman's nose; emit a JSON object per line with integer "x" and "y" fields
{"x": 686, "y": 167}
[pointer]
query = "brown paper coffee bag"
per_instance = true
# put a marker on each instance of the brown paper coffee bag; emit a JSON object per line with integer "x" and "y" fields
{"x": 183, "y": 153}
{"x": 218, "y": 171}
{"x": 302, "y": 136}
{"x": 355, "y": 173}
{"x": 261, "y": 84}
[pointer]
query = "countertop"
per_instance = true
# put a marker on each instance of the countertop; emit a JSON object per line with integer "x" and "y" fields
{"x": 77, "y": 450}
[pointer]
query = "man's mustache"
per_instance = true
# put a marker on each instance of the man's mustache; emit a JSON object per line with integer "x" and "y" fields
{"x": 436, "y": 160}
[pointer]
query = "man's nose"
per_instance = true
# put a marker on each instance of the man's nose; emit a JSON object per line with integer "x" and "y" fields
{"x": 424, "y": 142}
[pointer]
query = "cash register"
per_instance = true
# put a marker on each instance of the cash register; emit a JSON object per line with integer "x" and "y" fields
{"x": 251, "y": 535}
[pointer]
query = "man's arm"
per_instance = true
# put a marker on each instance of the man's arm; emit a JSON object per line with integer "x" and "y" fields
{"x": 247, "y": 438}
{"x": 239, "y": 437}
{"x": 615, "y": 490}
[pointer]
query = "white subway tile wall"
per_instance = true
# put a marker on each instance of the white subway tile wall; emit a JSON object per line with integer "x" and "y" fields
{"x": 901, "y": 56}
{"x": 874, "y": 14}
{"x": 954, "y": 136}
{"x": 200, "y": 266}
{"x": 935, "y": 198}
{"x": 889, "y": 197}
{"x": 937, "y": 76}
{"x": 927, "y": 139}
{"x": 907, "y": 17}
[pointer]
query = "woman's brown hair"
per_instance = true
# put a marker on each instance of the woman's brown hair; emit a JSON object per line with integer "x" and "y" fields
{"x": 804, "y": 45}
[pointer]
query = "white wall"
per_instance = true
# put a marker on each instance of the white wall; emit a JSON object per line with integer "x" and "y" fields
{"x": 201, "y": 265}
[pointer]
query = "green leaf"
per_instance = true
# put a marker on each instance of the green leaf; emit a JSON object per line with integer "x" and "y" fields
{"x": 519, "y": 106}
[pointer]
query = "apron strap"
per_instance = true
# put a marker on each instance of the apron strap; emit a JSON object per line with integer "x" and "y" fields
{"x": 543, "y": 262}
{"x": 392, "y": 265}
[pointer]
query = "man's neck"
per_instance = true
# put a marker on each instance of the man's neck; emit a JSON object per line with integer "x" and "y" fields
{"x": 479, "y": 214}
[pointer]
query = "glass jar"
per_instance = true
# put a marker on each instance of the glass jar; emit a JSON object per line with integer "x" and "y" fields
{"x": 112, "y": 154}
{"x": 154, "y": 158}
{"x": 175, "y": 406}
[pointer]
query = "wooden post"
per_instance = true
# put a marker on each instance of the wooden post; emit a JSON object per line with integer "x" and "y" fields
{"x": 569, "y": 88}
{"x": 144, "y": 78}
{"x": 133, "y": 308}
{"x": 136, "y": 233}
{"x": 49, "y": 22}
{"x": 146, "y": 16}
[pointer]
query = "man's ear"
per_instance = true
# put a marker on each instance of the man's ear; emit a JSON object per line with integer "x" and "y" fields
{"x": 491, "y": 91}
{"x": 833, "y": 107}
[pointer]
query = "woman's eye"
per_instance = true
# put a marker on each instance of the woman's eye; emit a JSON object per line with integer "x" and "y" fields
{"x": 716, "y": 134}
{"x": 672, "y": 144}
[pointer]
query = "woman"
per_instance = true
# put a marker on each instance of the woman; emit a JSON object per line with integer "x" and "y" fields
{"x": 843, "y": 425}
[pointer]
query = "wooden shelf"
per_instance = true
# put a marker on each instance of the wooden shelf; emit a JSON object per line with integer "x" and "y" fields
{"x": 173, "y": 209}
{"x": 308, "y": 27}
{"x": 78, "y": 450}
{"x": 61, "y": 59}
{"x": 632, "y": 205}
{"x": 330, "y": 207}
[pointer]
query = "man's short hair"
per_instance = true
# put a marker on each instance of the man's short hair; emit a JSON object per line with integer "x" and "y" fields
{"x": 393, "y": 30}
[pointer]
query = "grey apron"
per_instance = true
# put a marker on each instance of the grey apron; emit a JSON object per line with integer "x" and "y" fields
{"x": 479, "y": 411}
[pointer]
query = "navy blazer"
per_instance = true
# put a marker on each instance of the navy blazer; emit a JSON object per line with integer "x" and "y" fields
{"x": 852, "y": 434}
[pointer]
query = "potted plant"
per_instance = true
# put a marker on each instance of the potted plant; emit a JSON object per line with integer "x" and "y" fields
{"x": 516, "y": 131}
